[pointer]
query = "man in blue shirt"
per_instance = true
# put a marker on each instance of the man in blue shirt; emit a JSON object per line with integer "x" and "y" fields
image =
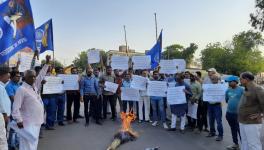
{"x": 89, "y": 93}
{"x": 11, "y": 89}
{"x": 233, "y": 95}
{"x": 13, "y": 84}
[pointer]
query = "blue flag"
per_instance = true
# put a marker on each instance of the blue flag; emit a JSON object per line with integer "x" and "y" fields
{"x": 155, "y": 52}
{"x": 44, "y": 37}
{"x": 17, "y": 29}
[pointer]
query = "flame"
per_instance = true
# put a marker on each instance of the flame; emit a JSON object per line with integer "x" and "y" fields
{"x": 127, "y": 118}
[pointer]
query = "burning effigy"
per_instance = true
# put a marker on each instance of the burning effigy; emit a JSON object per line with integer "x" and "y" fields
{"x": 126, "y": 133}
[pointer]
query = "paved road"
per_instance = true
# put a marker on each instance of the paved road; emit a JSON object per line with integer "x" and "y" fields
{"x": 95, "y": 137}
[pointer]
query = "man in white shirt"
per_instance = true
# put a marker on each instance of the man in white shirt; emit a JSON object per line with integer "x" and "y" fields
{"x": 5, "y": 106}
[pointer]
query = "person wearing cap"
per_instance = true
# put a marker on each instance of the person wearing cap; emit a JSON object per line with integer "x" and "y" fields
{"x": 250, "y": 113}
{"x": 233, "y": 95}
{"x": 215, "y": 114}
{"x": 89, "y": 93}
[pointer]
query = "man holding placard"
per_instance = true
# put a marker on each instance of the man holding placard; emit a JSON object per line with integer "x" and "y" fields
{"x": 73, "y": 96}
{"x": 126, "y": 84}
{"x": 179, "y": 107}
{"x": 89, "y": 93}
{"x": 107, "y": 95}
{"x": 215, "y": 114}
{"x": 144, "y": 100}
{"x": 157, "y": 104}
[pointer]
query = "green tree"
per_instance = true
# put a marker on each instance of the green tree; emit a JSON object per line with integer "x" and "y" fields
{"x": 257, "y": 18}
{"x": 81, "y": 60}
{"x": 177, "y": 51}
{"x": 242, "y": 55}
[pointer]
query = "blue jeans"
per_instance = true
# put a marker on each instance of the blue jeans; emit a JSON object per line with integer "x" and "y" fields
{"x": 156, "y": 103}
{"x": 234, "y": 125}
{"x": 60, "y": 101}
{"x": 215, "y": 114}
{"x": 50, "y": 108}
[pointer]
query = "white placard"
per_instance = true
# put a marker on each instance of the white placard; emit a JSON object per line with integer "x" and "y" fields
{"x": 167, "y": 67}
{"x": 214, "y": 92}
{"x": 157, "y": 88}
{"x": 93, "y": 56}
{"x": 141, "y": 62}
{"x": 111, "y": 87}
{"x": 139, "y": 82}
{"x": 71, "y": 81}
{"x": 119, "y": 62}
{"x": 53, "y": 85}
{"x": 25, "y": 62}
{"x": 129, "y": 94}
{"x": 180, "y": 65}
{"x": 176, "y": 95}
{"x": 192, "y": 110}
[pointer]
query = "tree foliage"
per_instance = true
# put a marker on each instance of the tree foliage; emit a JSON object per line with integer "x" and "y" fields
{"x": 177, "y": 51}
{"x": 257, "y": 18}
{"x": 81, "y": 60}
{"x": 242, "y": 55}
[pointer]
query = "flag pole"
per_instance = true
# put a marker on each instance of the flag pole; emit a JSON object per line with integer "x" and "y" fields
{"x": 156, "y": 26}
{"x": 126, "y": 40}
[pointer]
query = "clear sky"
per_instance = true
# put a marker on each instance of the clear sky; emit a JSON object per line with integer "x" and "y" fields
{"x": 82, "y": 24}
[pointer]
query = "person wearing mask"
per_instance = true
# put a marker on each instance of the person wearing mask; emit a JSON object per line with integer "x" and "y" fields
{"x": 5, "y": 106}
{"x": 233, "y": 96}
{"x": 89, "y": 93}
{"x": 11, "y": 89}
{"x": 179, "y": 110}
{"x": 196, "y": 89}
{"x": 73, "y": 97}
{"x": 144, "y": 101}
{"x": 108, "y": 96}
{"x": 157, "y": 104}
{"x": 126, "y": 84}
{"x": 215, "y": 114}
{"x": 250, "y": 113}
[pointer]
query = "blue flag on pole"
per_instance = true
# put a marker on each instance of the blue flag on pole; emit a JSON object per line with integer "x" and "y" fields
{"x": 155, "y": 52}
{"x": 17, "y": 29}
{"x": 44, "y": 37}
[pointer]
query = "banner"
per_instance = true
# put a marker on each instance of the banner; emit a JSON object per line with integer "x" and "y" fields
{"x": 129, "y": 94}
{"x": 119, "y": 62}
{"x": 139, "y": 82}
{"x": 17, "y": 29}
{"x": 44, "y": 37}
{"x": 71, "y": 81}
{"x": 93, "y": 56}
{"x": 157, "y": 88}
{"x": 214, "y": 92}
{"x": 53, "y": 85}
{"x": 141, "y": 62}
{"x": 175, "y": 95}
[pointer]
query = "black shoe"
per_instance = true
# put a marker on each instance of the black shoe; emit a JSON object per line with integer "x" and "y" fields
{"x": 61, "y": 124}
{"x": 172, "y": 129}
{"x": 80, "y": 117}
{"x": 98, "y": 122}
{"x": 75, "y": 121}
{"x": 182, "y": 131}
{"x": 86, "y": 124}
{"x": 206, "y": 130}
{"x": 219, "y": 138}
{"x": 211, "y": 135}
{"x": 113, "y": 118}
{"x": 50, "y": 128}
